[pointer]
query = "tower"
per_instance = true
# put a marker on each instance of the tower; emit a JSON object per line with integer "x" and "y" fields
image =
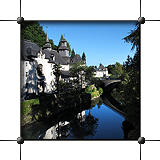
{"x": 63, "y": 49}
{"x": 47, "y": 46}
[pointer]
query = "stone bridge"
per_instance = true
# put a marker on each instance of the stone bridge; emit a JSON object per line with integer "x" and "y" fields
{"x": 108, "y": 82}
{"x": 115, "y": 109}
{"x": 108, "y": 101}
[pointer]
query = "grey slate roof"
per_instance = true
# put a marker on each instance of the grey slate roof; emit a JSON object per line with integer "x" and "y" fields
{"x": 101, "y": 67}
{"x": 58, "y": 58}
{"x": 76, "y": 59}
{"x": 28, "y": 49}
{"x": 67, "y": 59}
{"x": 63, "y": 48}
{"x": 65, "y": 74}
{"x": 63, "y": 40}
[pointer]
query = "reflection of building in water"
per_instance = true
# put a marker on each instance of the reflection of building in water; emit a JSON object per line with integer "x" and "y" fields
{"x": 81, "y": 116}
{"x": 61, "y": 130}
{"x": 52, "y": 133}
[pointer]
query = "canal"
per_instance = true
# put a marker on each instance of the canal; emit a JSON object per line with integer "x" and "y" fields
{"x": 93, "y": 121}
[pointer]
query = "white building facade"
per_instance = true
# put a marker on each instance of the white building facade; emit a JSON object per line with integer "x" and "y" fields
{"x": 37, "y": 66}
{"x": 101, "y": 71}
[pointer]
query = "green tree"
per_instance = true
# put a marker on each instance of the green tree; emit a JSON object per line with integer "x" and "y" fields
{"x": 100, "y": 91}
{"x": 57, "y": 72}
{"x": 77, "y": 70}
{"x": 72, "y": 53}
{"x": 83, "y": 57}
{"x": 130, "y": 88}
{"x": 89, "y": 74}
{"x": 116, "y": 70}
{"x": 131, "y": 75}
{"x": 32, "y": 31}
{"x": 133, "y": 38}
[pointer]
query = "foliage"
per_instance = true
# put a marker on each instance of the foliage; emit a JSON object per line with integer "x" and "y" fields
{"x": 77, "y": 70}
{"x": 129, "y": 91}
{"x": 72, "y": 53}
{"x": 131, "y": 72}
{"x": 131, "y": 75}
{"x": 100, "y": 91}
{"x": 133, "y": 38}
{"x": 115, "y": 70}
{"x": 32, "y": 31}
{"x": 89, "y": 74}
{"x": 93, "y": 91}
{"x": 87, "y": 90}
{"x": 26, "y": 110}
{"x": 57, "y": 72}
{"x": 25, "y": 105}
{"x": 83, "y": 57}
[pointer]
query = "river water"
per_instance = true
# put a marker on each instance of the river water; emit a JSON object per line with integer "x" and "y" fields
{"x": 97, "y": 122}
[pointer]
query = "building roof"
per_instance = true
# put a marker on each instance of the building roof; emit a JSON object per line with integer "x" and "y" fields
{"x": 47, "y": 39}
{"x": 65, "y": 74}
{"x": 63, "y": 48}
{"x": 63, "y": 40}
{"x": 101, "y": 68}
{"x": 76, "y": 59}
{"x": 67, "y": 59}
{"x": 58, "y": 58}
{"x": 28, "y": 50}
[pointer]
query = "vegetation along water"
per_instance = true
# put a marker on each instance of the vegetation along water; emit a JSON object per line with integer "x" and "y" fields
{"x": 94, "y": 112}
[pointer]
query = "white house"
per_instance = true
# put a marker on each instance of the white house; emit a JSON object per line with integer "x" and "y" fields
{"x": 101, "y": 71}
{"x": 37, "y": 63}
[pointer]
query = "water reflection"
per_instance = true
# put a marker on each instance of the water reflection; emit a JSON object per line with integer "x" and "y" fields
{"x": 78, "y": 128}
{"x": 93, "y": 121}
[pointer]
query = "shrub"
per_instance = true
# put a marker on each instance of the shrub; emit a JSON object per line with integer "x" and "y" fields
{"x": 87, "y": 90}
{"x": 100, "y": 91}
{"x": 94, "y": 89}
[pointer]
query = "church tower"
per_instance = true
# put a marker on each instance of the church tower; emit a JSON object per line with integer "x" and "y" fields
{"x": 47, "y": 46}
{"x": 63, "y": 49}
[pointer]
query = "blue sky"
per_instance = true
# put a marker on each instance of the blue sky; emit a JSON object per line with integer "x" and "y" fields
{"x": 101, "y": 41}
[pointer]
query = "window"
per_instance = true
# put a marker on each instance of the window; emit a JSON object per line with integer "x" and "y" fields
{"x": 51, "y": 73}
{"x": 51, "y": 65}
{"x": 26, "y": 64}
{"x": 26, "y": 74}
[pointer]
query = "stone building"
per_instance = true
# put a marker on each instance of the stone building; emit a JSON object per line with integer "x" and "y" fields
{"x": 37, "y": 64}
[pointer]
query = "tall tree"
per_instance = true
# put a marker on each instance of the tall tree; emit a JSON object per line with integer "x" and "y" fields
{"x": 77, "y": 70}
{"x": 116, "y": 70}
{"x": 130, "y": 90}
{"x": 89, "y": 74}
{"x": 32, "y": 31}
{"x": 83, "y": 57}
{"x": 133, "y": 38}
{"x": 57, "y": 72}
{"x": 72, "y": 53}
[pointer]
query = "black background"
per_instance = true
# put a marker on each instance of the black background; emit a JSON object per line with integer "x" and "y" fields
{"x": 10, "y": 75}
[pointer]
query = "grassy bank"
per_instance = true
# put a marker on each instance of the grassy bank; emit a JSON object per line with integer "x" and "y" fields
{"x": 93, "y": 91}
{"x": 26, "y": 110}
